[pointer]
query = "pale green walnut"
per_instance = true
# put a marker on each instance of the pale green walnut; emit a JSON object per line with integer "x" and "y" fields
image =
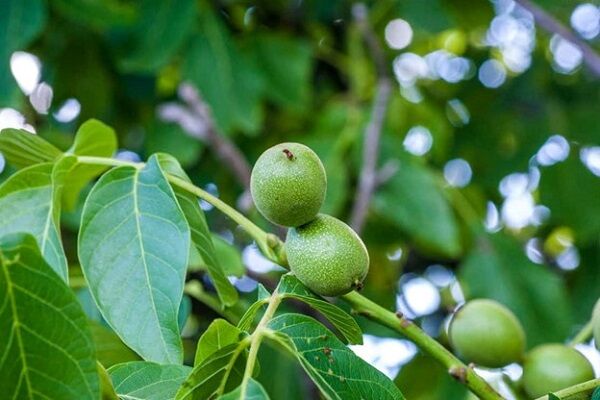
{"x": 327, "y": 256}
{"x": 487, "y": 333}
{"x": 288, "y": 184}
{"x": 551, "y": 367}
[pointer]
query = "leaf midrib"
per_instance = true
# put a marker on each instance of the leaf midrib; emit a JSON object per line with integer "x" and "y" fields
{"x": 138, "y": 214}
{"x": 16, "y": 322}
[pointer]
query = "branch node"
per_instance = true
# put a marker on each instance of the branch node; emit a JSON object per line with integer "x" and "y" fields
{"x": 459, "y": 373}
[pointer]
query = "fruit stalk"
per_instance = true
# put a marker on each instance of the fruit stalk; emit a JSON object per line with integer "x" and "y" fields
{"x": 273, "y": 249}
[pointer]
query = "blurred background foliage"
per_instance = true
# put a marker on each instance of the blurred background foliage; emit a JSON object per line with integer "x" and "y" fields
{"x": 489, "y": 156}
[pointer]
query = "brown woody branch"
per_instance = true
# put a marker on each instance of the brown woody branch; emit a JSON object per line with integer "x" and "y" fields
{"x": 552, "y": 25}
{"x": 368, "y": 179}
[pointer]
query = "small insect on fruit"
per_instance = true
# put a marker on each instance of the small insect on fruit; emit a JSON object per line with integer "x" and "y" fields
{"x": 288, "y": 184}
{"x": 327, "y": 256}
{"x": 487, "y": 333}
{"x": 552, "y": 367}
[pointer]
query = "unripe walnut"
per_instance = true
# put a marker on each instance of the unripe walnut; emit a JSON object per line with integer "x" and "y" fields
{"x": 327, "y": 256}
{"x": 552, "y": 367}
{"x": 288, "y": 184}
{"x": 487, "y": 333}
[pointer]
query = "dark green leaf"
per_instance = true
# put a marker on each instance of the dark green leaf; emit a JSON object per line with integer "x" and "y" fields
{"x": 133, "y": 248}
{"x": 27, "y": 204}
{"x": 46, "y": 350}
{"x": 107, "y": 391}
{"x": 498, "y": 268}
{"x": 163, "y": 26}
{"x": 571, "y": 192}
{"x": 219, "y": 334}
{"x": 286, "y": 65}
{"x": 100, "y": 14}
{"x": 334, "y": 368}
{"x": 227, "y": 80}
{"x": 218, "y": 374}
{"x": 110, "y": 349}
{"x": 142, "y": 380}
{"x": 201, "y": 237}
{"x": 254, "y": 391}
{"x": 23, "y": 149}
{"x": 291, "y": 287}
{"x": 20, "y": 23}
{"x": 413, "y": 201}
{"x": 171, "y": 139}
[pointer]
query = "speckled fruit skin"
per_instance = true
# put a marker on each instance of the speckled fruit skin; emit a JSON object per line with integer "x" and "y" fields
{"x": 552, "y": 367}
{"x": 596, "y": 324}
{"x": 327, "y": 256}
{"x": 288, "y": 184}
{"x": 487, "y": 333}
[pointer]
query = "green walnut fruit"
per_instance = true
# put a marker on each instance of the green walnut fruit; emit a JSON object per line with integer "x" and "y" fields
{"x": 551, "y": 367}
{"x": 487, "y": 333}
{"x": 596, "y": 324}
{"x": 288, "y": 184}
{"x": 327, "y": 256}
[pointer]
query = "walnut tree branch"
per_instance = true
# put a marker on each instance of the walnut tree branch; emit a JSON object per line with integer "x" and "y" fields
{"x": 196, "y": 121}
{"x": 368, "y": 175}
{"x": 552, "y": 25}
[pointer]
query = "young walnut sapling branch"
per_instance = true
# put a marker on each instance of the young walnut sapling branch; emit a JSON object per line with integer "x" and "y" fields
{"x": 273, "y": 249}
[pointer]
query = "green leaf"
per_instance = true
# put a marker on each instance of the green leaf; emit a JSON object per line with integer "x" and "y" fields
{"x": 334, "y": 368}
{"x": 228, "y": 81}
{"x": 20, "y": 23}
{"x": 46, "y": 350}
{"x": 201, "y": 237}
{"x": 229, "y": 257}
{"x": 107, "y": 391}
{"x": 414, "y": 202}
{"x": 219, "y": 334}
{"x": 247, "y": 319}
{"x": 27, "y": 204}
{"x": 92, "y": 139}
{"x": 185, "y": 308}
{"x": 571, "y": 191}
{"x": 133, "y": 248}
{"x": 286, "y": 63}
{"x": 143, "y": 380}
{"x": 162, "y": 28}
{"x": 23, "y": 149}
{"x": 254, "y": 391}
{"x": 99, "y": 14}
{"x": 291, "y": 287}
{"x": 218, "y": 374}
{"x": 169, "y": 138}
{"x": 498, "y": 268}
{"x": 110, "y": 349}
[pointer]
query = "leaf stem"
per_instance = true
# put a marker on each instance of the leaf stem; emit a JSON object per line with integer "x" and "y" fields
{"x": 583, "y": 335}
{"x": 584, "y": 388}
{"x": 257, "y": 337}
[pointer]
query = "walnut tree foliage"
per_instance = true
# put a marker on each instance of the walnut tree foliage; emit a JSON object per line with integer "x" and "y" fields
{"x": 115, "y": 281}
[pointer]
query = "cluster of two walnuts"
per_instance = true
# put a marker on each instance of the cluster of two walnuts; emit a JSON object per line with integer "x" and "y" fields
{"x": 288, "y": 185}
